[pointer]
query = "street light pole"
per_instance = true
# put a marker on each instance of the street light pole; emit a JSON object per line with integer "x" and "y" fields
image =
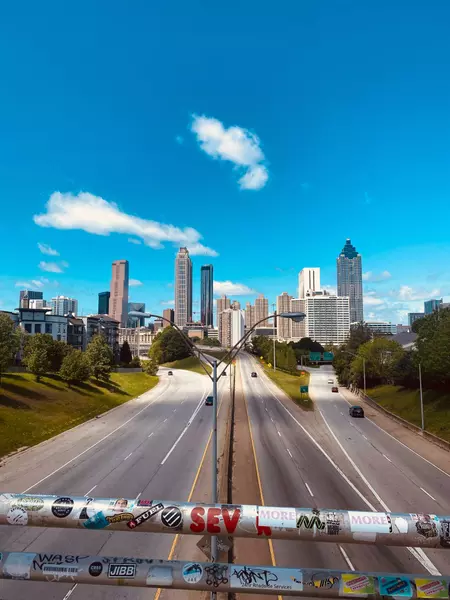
{"x": 364, "y": 374}
{"x": 214, "y": 556}
{"x": 421, "y": 397}
{"x": 274, "y": 339}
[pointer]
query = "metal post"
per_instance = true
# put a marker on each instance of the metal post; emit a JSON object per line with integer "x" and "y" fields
{"x": 364, "y": 374}
{"x": 214, "y": 555}
{"x": 138, "y": 329}
{"x": 421, "y": 397}
{"x": 274, "y": 342}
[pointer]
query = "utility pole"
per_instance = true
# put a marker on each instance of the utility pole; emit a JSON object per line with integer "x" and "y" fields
{"x": 421, "y": 397}
{"x": 274, "y": 338}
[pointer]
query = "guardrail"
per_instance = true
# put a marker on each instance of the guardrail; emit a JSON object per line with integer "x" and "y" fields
{"x": 235, "y": 520}
{"x": 217, "y": 577}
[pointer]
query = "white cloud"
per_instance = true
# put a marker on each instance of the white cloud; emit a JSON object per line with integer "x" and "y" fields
{"x": 372, "y": 301}
{"x": 235, "y": 144}
{"x": 232, "y": 289}
{"x": 331, "y": 289}
{"x": 408, "y": 293}
{"x": 168, "y": 302}
{"x": 33, "y": 283}
{"x": 37, "y": 282}
{"x": 95, "y": 215}
{"x": 370, "y": 276}
{"x": 24, "y": 284}
{"x": 135, "y": 241}
{"x": 134, "y": 282}
{"x": 52, "y": 267}
{"x": 46, "y": 249}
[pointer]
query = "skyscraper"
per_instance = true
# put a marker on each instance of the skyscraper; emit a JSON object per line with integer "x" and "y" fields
{"x": 27, "y": 295}
{"x": 62, "y": 305}
{"x": 183, "y": 288}
{"x": 308, "y": 281}
{"x": 118, "y": 302}
{"x": 222, "y": 304}
{"x": 349, "y": 280}
{"x": 261, "y": 310}
{"x": 136, "y": 321}
{"x": 431, "y": 305}
{"x": 249, "y": 315}
{"x": 206, "y": 301}
{"x": 284, "y": 326}
{"x": 103, "y": 303}
{"x": 169, "y": 314}
{"x": 327, "y": 318}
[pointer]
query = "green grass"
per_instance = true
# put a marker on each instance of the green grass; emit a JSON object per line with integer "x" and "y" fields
{"x": 291, "y": 385}
{"x": 216, "y": 353}
{"x": 191, "y": 363}
{"x": 406, "y": 404}
{"x": 32, "y": 412}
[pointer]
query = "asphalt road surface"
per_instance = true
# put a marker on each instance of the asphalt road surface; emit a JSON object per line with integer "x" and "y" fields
{"x": 298, "y": 469}
{"x": 151, "y": 446}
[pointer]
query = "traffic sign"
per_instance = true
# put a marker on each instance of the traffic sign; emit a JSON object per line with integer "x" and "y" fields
{"x": 328, "y": 356}
{"x": 315, "y": 356}
{"x": 303, "y": 389}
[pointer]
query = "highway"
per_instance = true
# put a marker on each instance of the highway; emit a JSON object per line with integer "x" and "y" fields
{"x": 302, "y": 464}
{"x": 149, "y": 447}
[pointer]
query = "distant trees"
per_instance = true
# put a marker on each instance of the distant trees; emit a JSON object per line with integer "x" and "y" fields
{"x": 213, "y": 342}
{"x": 37, "y": 353}
{"x": 285, "y": 357}
{"x": 10, "y": 339}
{"x": 168, "y": 346}
{"x": 382, "y": 357}
{"x": 125, "y": 356}
{"x": 100, "y": 357}
{"x": 75, "y": 367}
{"x": 433, "y": 348}
{"x": 151, "y": 367}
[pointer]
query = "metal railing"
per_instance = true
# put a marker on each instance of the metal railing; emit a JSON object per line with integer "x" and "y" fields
{"x": 218, "y": 577}
{"x": 235, "y": 520}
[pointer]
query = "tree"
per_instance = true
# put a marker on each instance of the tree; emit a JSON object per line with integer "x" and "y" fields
{"x": 57, "y": 351}
{"x": 343, "y": 356}
{"x": 308, "y": 345}
{"x": 10, "y": 339}
{"x": 213, "y": 342}
{"x": 168, "y": 346}
{"x": 100, "y": 357}
{"x": 125, "y": 354}
{"x": 37, "y": 354}
{"x": 433, "y": 348}
{"x": 135, "y": 362}
{"x": 382, "y": 357}
{"x": 75, "y": 367}
{"x": 151, "y": 367}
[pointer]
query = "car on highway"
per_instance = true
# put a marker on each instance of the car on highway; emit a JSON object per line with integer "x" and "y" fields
{"x": 170, "y": 373}
{"x": 334, "y": 389}
{"x": 224, "y": 372}
{"x": 254, "y": 374}
{"x": 330, "y": 381}
{"x": 209, "y": 401}
{"x": 356, "y": 411}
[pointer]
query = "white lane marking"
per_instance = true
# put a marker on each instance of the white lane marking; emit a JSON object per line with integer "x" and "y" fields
{"x": 70, "y": 592}
{"x": 150, "y": 403}
{"x": 266, "y": 409}
{"x": 402, "y": 443}
{"x": 418, "y": 553}
{"x": 346, "y": 558}
{"x": 164, "y": 420}
{"x": 150, "y": 434}
{"x": 342, "y": 413}
{"x": 364, "y": 437}
{"x": 309, "y": 490}
{"x": 428, "y": 494}
{"x": 272, "y": 419}
{"x": 127, "y": 457}
{"x": 387, "y": 458}
{"x": 91, "y": 490}
{"x": 278, "y": 433}
{"x": 289, "y": 452}
{"x": 138, "y": 496}
{"x": 194, "y": 414}
{"x": 174, "y": 410}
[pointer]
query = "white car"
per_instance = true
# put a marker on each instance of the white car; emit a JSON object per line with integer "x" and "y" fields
{"x": 330, "y": 381}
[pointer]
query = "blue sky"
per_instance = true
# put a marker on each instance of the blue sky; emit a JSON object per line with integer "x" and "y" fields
{"x": 261, "y": 135}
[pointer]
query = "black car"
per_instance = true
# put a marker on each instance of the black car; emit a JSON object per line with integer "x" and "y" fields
{"x": 209, "y": 401}
{"x": 224, "y": 372}
{"x": 356, "y": 411}
{"x": 254, "y": 374}
{"x": 170, "y": 373}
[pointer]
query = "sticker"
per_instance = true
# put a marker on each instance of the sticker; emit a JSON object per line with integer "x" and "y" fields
{"x": 159, "y": 576}
{"x": 445, "y": 533}
{"x": 426, "y": 525}
{"x": 401, "y": 524}
{"x": 311, "y": 520}
{"x": 62, "y": 507}
{"x": 250, "y": 577}
{"x": 59, "y": 570}
{"x": 192, "y": 572}
{"x": 216, "y": 575}
{"x": 151, "y": 512}
{"x": 17, "y": 516}
{"x": 334, "y": 523}
{"x": 98, "y": 521}
{"x": 28, "y": 503}
{"x": 18, "y": 565}
{"x": 95, "y": 569}
{"x": 88, "y": 510}
{"x": 120, "y": 505}
{"x": 318, "y": 580}
{"x": 431, "y": 588}
{"x": 122, "y": 571}
{"x": 372, "y": 522}
{"x": 230, "y": 517}
{"x": 120, "y": 518}
{"x": 145, "y": 502}
{"x": 280, "y": 518}
{"x": 395, "y": 586}
{"x": 172, "y": 517}
{"x": 1, "y": 556}
{"x": 358, "y": 584}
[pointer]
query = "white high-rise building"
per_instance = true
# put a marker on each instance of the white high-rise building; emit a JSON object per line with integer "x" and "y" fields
{"x": 284, "y": 326}
{"x": 237, "y": 326}
{"x": 62, "y": 305}
{"x": 308, "y": 281}
{"x": 231, "y": 327}
{"x": 327, "y": 318}
{"x": 183, "y": 288}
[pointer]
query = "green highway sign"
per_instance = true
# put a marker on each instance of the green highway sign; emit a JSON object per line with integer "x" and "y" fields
{"x": 303, "y": 389}
{"x": 328, "y": 356}
{"x": 315, "y": 356}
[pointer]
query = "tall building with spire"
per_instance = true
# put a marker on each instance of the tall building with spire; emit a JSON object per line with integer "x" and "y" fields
{"x": 349, "y": 280}
{"x": 206, "y": 296}
{"x": 183, "y": 288}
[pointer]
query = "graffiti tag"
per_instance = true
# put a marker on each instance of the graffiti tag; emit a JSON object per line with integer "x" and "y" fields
{"x": 249, "y": 576}
{"x": 216, "y": 575}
